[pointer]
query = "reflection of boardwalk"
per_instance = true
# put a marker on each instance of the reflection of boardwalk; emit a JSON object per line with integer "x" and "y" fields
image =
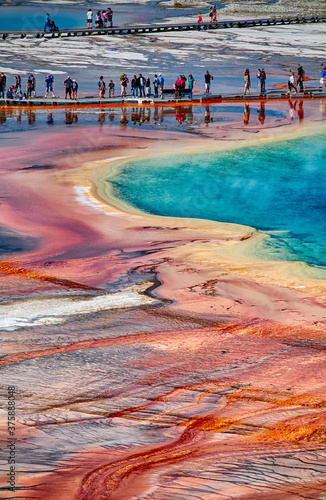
{"x": 163, "y": 28}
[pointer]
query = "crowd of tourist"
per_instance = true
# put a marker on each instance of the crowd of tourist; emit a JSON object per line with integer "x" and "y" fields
{"x": 145, "y": 87}
{"x": 103, "y": 18}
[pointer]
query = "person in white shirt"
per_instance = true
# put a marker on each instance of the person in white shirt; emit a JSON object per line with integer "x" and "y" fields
{"x": 291, "y": 83}
{"x": 89, "y": 17}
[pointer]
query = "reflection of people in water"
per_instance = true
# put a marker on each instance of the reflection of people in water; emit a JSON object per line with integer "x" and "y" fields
{"x": 148, "y": 114}
{"x": 101, "y": 118}
{"x": 3, "y": 117}
{"x": 246, "y": 113}
{"x": 180, "y": 114}
{"x": 190, "y": 115}
{"x": 261, "y": 111}
{"x": 70, "y": 117}
{"x": 31, "y": 116}
{"x": 300, "y": 111}
{"x": 323, "y": 109}
{"x": 293, "y": 109}
{"x": 207, "y": 118}
{"x": 293, "y": 106}
{"x": 49, "y": 118}
{"x": 123, "y": 118}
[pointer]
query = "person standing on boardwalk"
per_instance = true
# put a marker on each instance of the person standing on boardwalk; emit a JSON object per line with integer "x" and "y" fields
{"x": 74, "y": 89}
{"x": 291, "y": 83}
{"x": 134, "y": 88}
{"x": 31, "y": 82}
{"x": 148, "y": 87}
{"x": 105, "y": 18}
{"x": 110, "y": 16}
{"x": 30, "y": 86}
{"x": 155, "y": 84}
{"x": 323, "y": 78}
{"x": 208, "y": 77}
{"x": 142, "y": 82}
{"x": 200, "y": 19}
{"x": 3, "y": 84}
{"x": 191, "y": 84}
{"x": 161, "y": 84}
{"x": 124, "y": 82}
{"x": 261, "y": 75}
{"x": 18, "y": 85}
{"x": 89, "y": 17}
{"x": 111, "y": 88}
{"x": 49, "y": 85}
{"x": 101, "y": 86}
{"x": 47, "y": 25}
{"x": 300, "y": 77}
{"x": 68, "y": 87}
{"x": 98, "y": 20}
{"x": 247, "y": 81}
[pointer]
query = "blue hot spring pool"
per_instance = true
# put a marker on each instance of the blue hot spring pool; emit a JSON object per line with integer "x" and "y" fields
{"x": 277, "y": 188}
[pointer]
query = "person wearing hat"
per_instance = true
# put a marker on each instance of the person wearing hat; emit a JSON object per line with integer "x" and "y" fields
{"x": 161, "y": 84}
{"x": 68, "y": 87}
{"x": 74, "y": 88}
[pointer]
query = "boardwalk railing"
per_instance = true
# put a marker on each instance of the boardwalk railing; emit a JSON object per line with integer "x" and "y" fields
{"x": 161, "y": 28}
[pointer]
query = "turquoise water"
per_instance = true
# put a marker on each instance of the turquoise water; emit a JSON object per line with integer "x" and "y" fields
{"x": 277, "y": 188}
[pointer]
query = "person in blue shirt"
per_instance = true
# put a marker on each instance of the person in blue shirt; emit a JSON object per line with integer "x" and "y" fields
{"x": 161, "y": 84}
{"x": 49, "y": 85}
{"x": 47, "y": 23}
{"x": 323, "y": 78}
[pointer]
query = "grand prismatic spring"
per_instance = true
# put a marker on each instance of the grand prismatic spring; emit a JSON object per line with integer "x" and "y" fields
{"x": 163, "y": 279}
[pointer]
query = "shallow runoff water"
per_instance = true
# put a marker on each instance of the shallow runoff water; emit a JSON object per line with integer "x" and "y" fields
{"x": 278, "y": 188}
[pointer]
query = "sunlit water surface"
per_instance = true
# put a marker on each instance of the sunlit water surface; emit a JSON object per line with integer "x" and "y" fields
{"x": 277, "y": 188}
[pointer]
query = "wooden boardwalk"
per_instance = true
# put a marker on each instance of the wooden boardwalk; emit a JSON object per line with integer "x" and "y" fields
{"x": 198, "y": 99}
{"x": 161, "y": 28}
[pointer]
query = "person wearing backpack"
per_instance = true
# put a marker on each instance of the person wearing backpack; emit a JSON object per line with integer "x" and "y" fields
{"x": 31, "y": 85}
{"x": 49, "y": 85}
{"x": 102, "y": 86}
